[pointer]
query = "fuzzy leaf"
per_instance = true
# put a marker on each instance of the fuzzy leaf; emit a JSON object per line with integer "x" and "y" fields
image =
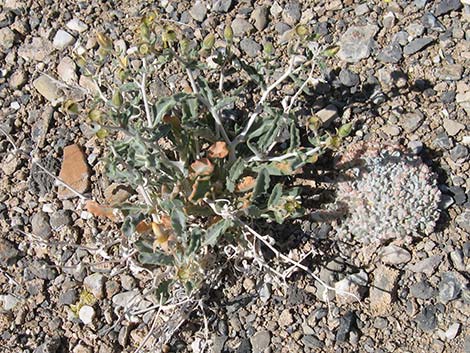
{"x": 178, "y": 221}
{"x": 156, "y": 258}
{"x": 194, "y": 241}
{"x": 218, "y": 150}
{"x": 276, "y": 195}
{"x": 202, "y": 166}
{"x": 215, "y": 231}
{"x": 247, "y": 183}
{"x": 236, "y": 170}
{"x": 162, "y": 107}
{"x": 200, "y": 188}
{"x": 262, "y": 184}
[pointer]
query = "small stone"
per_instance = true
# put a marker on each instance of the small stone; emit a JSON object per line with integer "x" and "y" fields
{"x": 81, "y": 348}
{"x": 286, "y": 319}
{"x": 450, "y": 72}
{"x": 77, "y": 25}
{"x": 446, "y": 6}
{"x": 38, "y": 50}
{"x": 417, "y": 45}
{"x": 361, "y": 9}
{"x": 62, "y": 39}
{"x": 356, "y": 43}
{"x": 18, "y": 79}
{"x": 125, "y": 299}
{"x": 7, "y": 39}
{"x": 260, "y": 341}
{"x": 68, "y": 297}
{"x": 427, "y": 265}
{"x": 48, "y": 88}
{"x": 40, "y": 225}
{"x": 426, "y": 319}
{"x": 415, "y": 146}
{"x": 310, "y": 341}
{"x": 221, "y": 5}
{"x": 422, "y": 290}
{"x": 250, "y": 47}
{"x": 394, "y": 255}
{"x": 443, "y": 141}
{"x": 292, "y": 12}
{"x": 430, "y": 21}
{"x": 86, "y": 314}
{"x": 218, "y": 343}
{"x": 414, "y": 30}
{"x": 348, "y": 78}
{"x": 198, "y": 11}
{"x": 351, "y": 288}
{"x": 388, "y": 20}
{"x": 8, "y": 252}
{"x": 10, "y": 164}
{"x": 382, "y": 291}
{"x": 260, "y": 17}
{"x": 60, "y": 219}
{"x": 248, "y": 284}
{"x": 391, "y": 130}
{"x": 453, "y": 127}
{"x": 67, "y": 70}
{"x": 116, "y": 194}
{"x": 412, "y": 121}
{"x": 452, "y": 331}
{"x": 265, "y": 292}
{"x": 74, "y": 171}
{"x": 127, "y": 282}
{"x": 241, "y": 27}
{"x": 275, "y": 9}
{"x": 346, "y": 324}
{"x": 94, "y": 283}
{"x": 391, "y": 54}
{"x": 449, "y": 287}
{"x": 448, "y": 97}
{"x": 327, "y": 114}
{"x": 457, "y": 258}
{"x": 9, "y": 302}
{"x": 458, "y": 153}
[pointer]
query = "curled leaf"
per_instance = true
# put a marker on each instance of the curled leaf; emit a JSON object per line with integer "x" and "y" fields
{"x": 203, "y": 166}
{"x": 218, "y": 150}
{"x": 143, "y": 227}
{"x": 98, "y": 210}
{"x": 103, "y": 40}
{"x": 246, "y": 184}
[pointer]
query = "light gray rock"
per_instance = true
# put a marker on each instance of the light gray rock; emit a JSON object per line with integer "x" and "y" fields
{"x": 327, "y": 114}
{"x": 38, "y": 50}
{"x": 40, "y": 225}
{"x": 48, "y": 88}
{"x": 198, "y": 11}
{"x": 221, "y": 5}
{"x": 7, "y": 39}
{"x": 453, "y": 127}
{"x": 292, "y": 12}
{"x": 86, "y": 314}
{"x": 18, "y": 79}
{"x": 463, "y": 220}
{"x": 450, "y": 72}
{"x": 356, "y": 43}
{"x": 67, "y": 70}
{"x": 77, "y": 25}
{"x": 412, "y": 121}
{"x": 125, "y": 299}
{"x": 391, "y": 54}
{"x": 9, "y": 302}
{"x": 240, "y": 27}
{"x": 427, "y": 265}
{"x": 250, "y": 47}
{"x": 260, "y": 17}
{"x": 260, "y": 341}
{"x": 62, "y": 39}
{"x": 394, "y": 255}
{"x": 95, "y": 284}
{"x": 417, "y": 45}
{"x": 348, "y": 78}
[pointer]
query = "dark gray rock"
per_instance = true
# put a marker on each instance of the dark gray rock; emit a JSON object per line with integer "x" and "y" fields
{"x": 40, "y": 225}
{"x": 417, "y": 45}
{"x": 292, "y": 12}
{"x": 443, "y": 141}
{"x": 68, "y": 297}
{"x": 422, "y": 290}
{"x": 458, "y": 194}
{"x": 250, "y": 47}
{"x": 448, "y": 97}
{"x": 391, "y": 54}
{"x": 449, "y": 287}
{"x": 346, "y": 324}
{"x": 430, "y": 22}
{"x": 348, "y": 78}
{"x": 42, "y": 270}
{"x": 39, "y": 182}
{"x": 310, "y": 341}
{"x": 221, "y": 5}
{"x": 60, "y": 219}
{"x": 51, "y": 345}
{"x": 8, "y": 253}
{"x": 426, "y": 319}
{"x": 244, "y": 347}
{"x": 446, "y": 6}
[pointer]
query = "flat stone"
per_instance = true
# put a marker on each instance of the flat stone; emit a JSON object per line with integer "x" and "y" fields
{"x": 68, "y": 297}
{"x": 240, "y": 27}
{"x": 86, "y": 314}
{"x": 292, "y": 12}
{"x": 260, "y": 17}
{"x": 8, "y": 252}
{"x": 116, "y": 194}
{"x": 77, "y": 25}
{"x": 7, "y": 39}
{"x": 415, "y": 146}
{"x": 48, "y": 88}
{"x": 260, "y": 341}
{"x": 62, "y": 39}
{"x": 412, "y": 121}
{"x": 391, "y": 54}
{"x": 446, "y": 6}
{"x": 394, "y": 255}
{"x": 356, "y": 43}
{"x": 218, "y": 343}
{"x": 94, "y": 283}
{"x": 348, "y": 78}
{"x": 452, "y": 331}
{"x": 67, "y": 70}
{"x": 417, "y": 45}
{"x": 463, "y": 220}
{"x": 250, "y": 47}
{"x": 443, "y": 141}
{"x": 125, "y": 299}
{"x": 430, "y": 21}
{"x": 382, "y": 292}
{"x": 450, "y": 72}
{"x": 38, "y": 50}
{"x": 391, "y": 130}
{"x": 18, "y": 79}
{"x": 453, "y": 127}
{"x": 426, "y": 319}
{"x": 40, "y": 225}
{"x": 311, "y": 341}
{"x": 9, "y": 302}
{"x": 426, "y": 266}
{"x": 60, "y": 219}
{"x": 327, "y": 114}
{"x": 458, "y": 153}
{"x": 221, "y": 5}
{"x": 449, "y": 287}
{"x": 285, "y": 318}
{"x": 198, "y": 11}
{"x": 74, "y": 172}
{"x": 422, "y": 290}
{"x": 346, "y": 324}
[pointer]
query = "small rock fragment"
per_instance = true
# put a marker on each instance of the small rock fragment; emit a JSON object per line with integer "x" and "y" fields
{"x": 74, "y": 171}
{"x": 86, "y": 314}
{"x": 391, "y": 54}
{"x": 382, "y": 292}
{"x": 453, "y": 127}
{"x": 426, "y": 319}
{"x": 7, "y": 39}
{"x": 452, "y": 331}
{"x": 18, "y": 79}
{"x": 446, "y": 6}
{"x": 8, "y": 252}
{"x": 77, "y": 25}
{"x": 292, "y": 12}
{"x": 62, "y": 39}
{"x": 450, "y": 72}
{"x": 427, "y": 265}
{"x": 416, "y": 45}
{"x": 221, "y": 5}
{"x": 449, "y": 287}
{"x": 422, "y": 290}
{"x": 95, "y": 284}
{"x": 198, "y": 11}
{"x": 38, "y": 50}
{"x": 327, "y": 114}
{"x": 48, "y": 88}
{"x": 394, "y": 255}
{"x": 250, "y": 47}
{"x": 260, "y": 17}
{"x": 241, "y": 26}
{"x": 412, "y": 121}
{"x": 260, "y": 341}
{"x": 40, "y": 225}
{"x": 356, "y": 43}
{"x": 67, "y": 70}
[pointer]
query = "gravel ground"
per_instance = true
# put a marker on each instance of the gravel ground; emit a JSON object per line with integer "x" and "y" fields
{"x": 402, "y": 75}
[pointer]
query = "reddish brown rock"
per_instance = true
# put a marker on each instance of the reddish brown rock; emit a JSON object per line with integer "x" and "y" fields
{"x": 74, "y": 171}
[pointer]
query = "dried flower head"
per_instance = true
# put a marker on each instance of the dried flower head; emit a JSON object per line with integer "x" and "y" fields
{"x": 387, "y": 194}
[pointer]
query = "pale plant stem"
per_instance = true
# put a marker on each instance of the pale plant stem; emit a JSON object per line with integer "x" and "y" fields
{"x": 192, "y": 81}
{"x": 143, "y": 90}
{"x": 284, "y": 156}
{"x": 301, "y": 88}
{"x": 152, "y": 328}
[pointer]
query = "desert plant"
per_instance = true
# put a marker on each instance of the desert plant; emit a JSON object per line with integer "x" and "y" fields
{"x": 211, "y": 158}
{"x": 387, "y": 194}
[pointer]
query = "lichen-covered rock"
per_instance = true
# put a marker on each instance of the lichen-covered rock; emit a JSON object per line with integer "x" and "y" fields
{"x": 386, "y": 193}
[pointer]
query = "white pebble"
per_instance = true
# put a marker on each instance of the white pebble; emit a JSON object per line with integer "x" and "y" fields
{"x": 86, "y": 314}
{"x": 77, "y": 25}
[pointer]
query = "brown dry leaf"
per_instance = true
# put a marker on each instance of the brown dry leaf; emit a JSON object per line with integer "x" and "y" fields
{"x": 98, "y": 210}
{"x": 218, "y": 150}
{"x": 143, "y": 227}
{"x": 203, "y": 166}
{"x": 246, "y": 184}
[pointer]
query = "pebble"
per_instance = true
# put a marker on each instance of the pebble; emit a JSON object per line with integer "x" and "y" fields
{"x": 86, "y": 314}
{"x": 62, "y": 39}
{"x": 8, "y": 252}
{"x": 457, "y": 258}
{"x": 285, "y": 319}
{"x": 394, "y": 255}
{"x": 446, "y": 6}
{"x": 9, "y": 301}
{"x": 311, "y": 341}
{"x": 430, "y": 21}
{"x": 452, "y": 331}
{"x": 391, "y": 54}
{"x": 48, "y": 88}
{"x": 391, "y": 130}
{"x": 458, "y": 153}
{"x": 426, "y": 319}
{"x": 260, "y": 17}
{"x": 346, "y": 324}
{"x": 260, "y": 341}
{"x": 449, "y": 288}
{"x": 250, "y": 47}
{"x": 356, "y": 43}
{"x": 77, "y": 25}
{"x": 125, "y": 299}
{"x": 426, "y": 266}
{"x": 388, "y": 20}
{"x": 327, "y": 114}
{"x": 60, "y": 219}
{"x": 292, "y": 12}
{"x": 74, "y": 171}
{"x": 422, "y": 290}
{"x": 265, "y": 292}
{"x": 7, "y": 39}
{"x": 361, "y": 9}
{"x": 40, "y": 225}
{"x": 67, "y": 70}
{"x": 68, "y": 297}
{"x": 18, "y": 79}
{"x": 218, "y": 343}
{"x": 127, "y": 282}
{"x": 275, "y": 9}
{"x": 458, "y": 194}
{"x": 443, "y": 141}
{"x": 198, "y": 11}
{"x": 412, "y": 121}
{"x": 452, "y": 127}
{"x": 38, "y": 50}
{"x": 416, "y": 45}
{"x": 348, "y": 78}
{"x": 382, "y": 290}
{"x": 450, "y": 72}
{"x": 94, "y": 283}
{"x": 414, "y": 30}
{"x": 240, "y": 27}
{"x": 221, "y": 5}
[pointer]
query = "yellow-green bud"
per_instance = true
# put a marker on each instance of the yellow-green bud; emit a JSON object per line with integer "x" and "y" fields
{"x": 208, "y": 42}
{"x": 228, "y": 33}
